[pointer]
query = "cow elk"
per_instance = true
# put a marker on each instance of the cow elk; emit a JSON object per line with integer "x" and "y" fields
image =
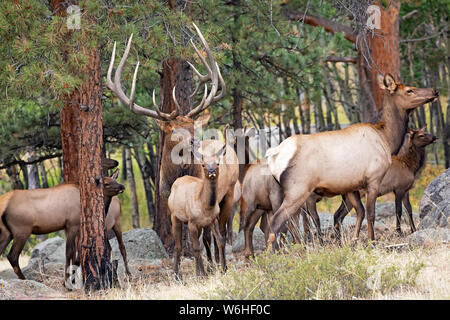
{"x": 41, "y": 211}
{"x": 399, "y": 179}
{"x": 175, "y": 122}
{"x": 193, "y": 201}
{"x": 345, "y": 161}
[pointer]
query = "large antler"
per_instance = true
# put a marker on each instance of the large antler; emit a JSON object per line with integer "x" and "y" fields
{"x": 213, "y": 75}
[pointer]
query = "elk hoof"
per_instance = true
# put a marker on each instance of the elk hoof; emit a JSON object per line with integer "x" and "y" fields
{"x": 271, "y": 239}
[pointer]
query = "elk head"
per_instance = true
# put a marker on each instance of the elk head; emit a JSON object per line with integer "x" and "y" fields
{"x": 167, "y": 122}
{"x": 209, "y": 160}
{"x": 112, "y": 187}
{"x": 421, "y": 138}
{"x": 406, "y": 97}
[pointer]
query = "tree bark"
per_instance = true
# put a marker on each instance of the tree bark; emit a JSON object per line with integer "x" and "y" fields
{"x": 97, "y": 269}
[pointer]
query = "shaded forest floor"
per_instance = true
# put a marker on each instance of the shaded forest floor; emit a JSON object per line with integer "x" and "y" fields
{"x": 354, "y": 271}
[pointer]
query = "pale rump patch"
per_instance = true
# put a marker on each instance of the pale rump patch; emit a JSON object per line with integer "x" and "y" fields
{"x": 278, "y": 157}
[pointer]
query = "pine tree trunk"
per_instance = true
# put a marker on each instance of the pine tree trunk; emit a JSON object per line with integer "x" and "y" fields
{"x": 132, "y": 184}
{"x": 43, "y": 174}
{"x": 32, "y": 171}
{"x": 97, "y": 269}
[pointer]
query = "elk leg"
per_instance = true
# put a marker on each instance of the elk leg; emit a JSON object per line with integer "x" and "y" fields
{"x": 71, "y": 236}
{"x": 5, "y": 239}
{"x": 340, "y": 214}
{"x": 312, "y": 210}
{"x": 408, "y": 207}
{"x": 398, "y": 211}
{"x": 177, "y": 229}
{"x": 264, "y": 225}
{"x": 207, "y": 243}
{"x": 118, "y": 232}
{"x": 242, "y": 213}
{"x": 355, "y": 200}
{"x": 194, "y": 234}
{"x": 220, "y": 242}
{"x": 13, "y": 255}
{"x": 306, "y": 225}
{"x": 250, "y": 223}
{"x": 225, "y": 210}
{"x": 372, "y": 194}
{"x": 291, "y": 204}
{"x": 230, "y": 226}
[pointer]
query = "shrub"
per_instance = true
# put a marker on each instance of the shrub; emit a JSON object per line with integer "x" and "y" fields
{"x": 325, "y": 273}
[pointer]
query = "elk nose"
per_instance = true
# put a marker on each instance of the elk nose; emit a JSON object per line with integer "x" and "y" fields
{"x": 436, "y": 92}
{"x": 122, "y": 187}
{"x": 434, "y": 138}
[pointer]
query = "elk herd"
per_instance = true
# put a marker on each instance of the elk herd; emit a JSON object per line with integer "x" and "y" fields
{"x": 361, "y": 160}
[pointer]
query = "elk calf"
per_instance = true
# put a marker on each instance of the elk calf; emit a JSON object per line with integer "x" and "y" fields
{"x": 193, "y": 201}
{"x": 399, "y": 179}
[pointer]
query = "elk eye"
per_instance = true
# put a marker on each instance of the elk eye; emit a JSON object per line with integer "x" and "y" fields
{"x": 409, "y": 91}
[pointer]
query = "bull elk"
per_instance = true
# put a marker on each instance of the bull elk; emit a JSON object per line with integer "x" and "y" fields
{"x": 193, "y": 201}
{"x": 399, "y": 179}
{"x": 173, "y": 122}
{"x": 41, "y": 211}
{"x": 347, "y": 160}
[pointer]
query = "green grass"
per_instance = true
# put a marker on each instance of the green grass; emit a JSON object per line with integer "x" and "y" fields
{"x": 323, "y": 273}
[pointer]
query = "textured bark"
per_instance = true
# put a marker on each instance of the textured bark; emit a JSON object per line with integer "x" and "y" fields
{"x": 96, "y": 267}
{"x": 69, "y": 114}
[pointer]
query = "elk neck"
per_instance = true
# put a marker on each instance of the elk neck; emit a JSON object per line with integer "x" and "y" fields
{"x": 393, "y": 125}
{"x": 209, "y": 193}
{"x": 414, "y": 159}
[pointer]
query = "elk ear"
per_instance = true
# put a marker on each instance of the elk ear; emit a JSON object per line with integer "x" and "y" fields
{"x": 251, "y": 132}
{"x": 222, "y": 151}
{"x": 195, "y": 145}
{"x": 387, "y": 82}
{"x": 115, "y": 174}
{"x": 203, "y": 120}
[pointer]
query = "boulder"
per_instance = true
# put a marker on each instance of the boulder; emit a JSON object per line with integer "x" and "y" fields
{"x": 16, "y": 289}
{"x": 259, "y": 242}
{"x": 434, "y": 208}
{"x": 426, "y": 237}
{"x": 47, "y": 259}
{"x": 143, "y": 246}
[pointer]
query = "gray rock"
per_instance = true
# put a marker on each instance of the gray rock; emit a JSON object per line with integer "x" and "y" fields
{"x": 327, "y": 223}
{"x": 429, "y": 236}
{"x": 47, "y": 259}
{"x": 142, "y": 245}
{"x": 259, "y": 242}
{"x": 25, "y": 289}
{"x": 50, "y": 250}
{"x": 434, "y": 208}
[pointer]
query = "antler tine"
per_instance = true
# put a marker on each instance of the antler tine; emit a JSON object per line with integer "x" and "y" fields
{"x": 213, "y": 74}
{"x": 116, "y": 86}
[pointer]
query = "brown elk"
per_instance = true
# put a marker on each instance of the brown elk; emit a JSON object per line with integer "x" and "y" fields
{"x": 399, "y": 179}
{"x": 175, "y": 122}
{"x": 41, "y": 211}
{"x": 347, "y": 160}
{"x": 263, "y": 196}
{"x": 194, "y": 201}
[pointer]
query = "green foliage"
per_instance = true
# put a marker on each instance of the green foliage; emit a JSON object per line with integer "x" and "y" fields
{"x": 324, "y": 273}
